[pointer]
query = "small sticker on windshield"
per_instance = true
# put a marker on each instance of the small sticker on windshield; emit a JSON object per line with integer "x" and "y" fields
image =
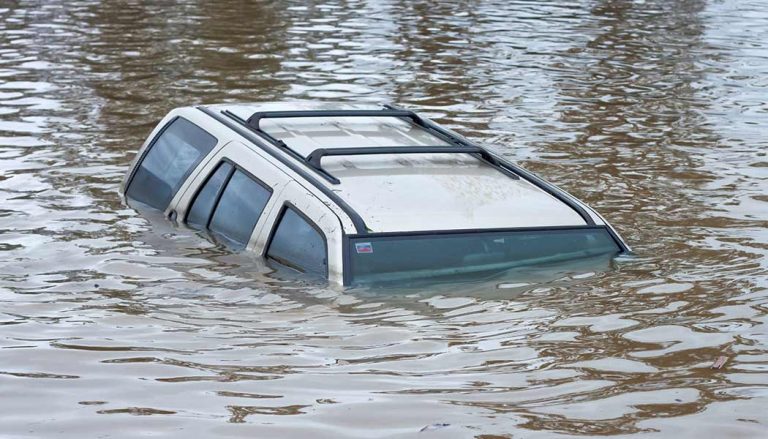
{"x": 364, "y": 247}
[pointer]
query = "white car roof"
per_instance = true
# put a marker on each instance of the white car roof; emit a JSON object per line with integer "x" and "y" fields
{"x": 414, "y": 192}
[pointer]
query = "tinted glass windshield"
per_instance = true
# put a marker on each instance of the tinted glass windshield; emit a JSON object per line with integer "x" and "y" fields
{"x": 387, "y": 258}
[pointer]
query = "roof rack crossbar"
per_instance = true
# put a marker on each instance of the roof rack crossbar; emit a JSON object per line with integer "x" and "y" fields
{"x": 256, "y": 118}
{"x": 317, "y": 155}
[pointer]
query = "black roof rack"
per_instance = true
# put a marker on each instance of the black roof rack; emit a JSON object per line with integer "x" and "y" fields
{"x": 459, "y": 145}
{"x": 314, "y": 158}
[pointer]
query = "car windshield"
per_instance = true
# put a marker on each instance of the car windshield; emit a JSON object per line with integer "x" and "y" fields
{"x": 389, "y": 257}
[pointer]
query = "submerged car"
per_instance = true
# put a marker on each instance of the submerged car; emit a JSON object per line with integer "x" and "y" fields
{"x": 357, "y": 194}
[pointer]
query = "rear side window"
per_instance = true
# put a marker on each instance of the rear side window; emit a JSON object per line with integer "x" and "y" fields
{"x": 229, "y": 205}
{"x": 200, "y": 212}
{"x": 171, "y": 158}
{"x": 239, "y": 209}
{"x": 297, "y": 243}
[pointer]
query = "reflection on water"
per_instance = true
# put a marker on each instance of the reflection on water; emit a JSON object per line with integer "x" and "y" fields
{"x": 652, "y": 111}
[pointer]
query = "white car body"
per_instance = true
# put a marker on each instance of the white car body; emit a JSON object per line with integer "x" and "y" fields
{"x": 369, "y": 191}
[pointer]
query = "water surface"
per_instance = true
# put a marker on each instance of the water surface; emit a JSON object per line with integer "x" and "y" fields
{"x": 654, "y": 112}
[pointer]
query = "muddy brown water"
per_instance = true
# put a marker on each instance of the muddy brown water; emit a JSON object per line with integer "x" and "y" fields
{"x": 654, "y": 112}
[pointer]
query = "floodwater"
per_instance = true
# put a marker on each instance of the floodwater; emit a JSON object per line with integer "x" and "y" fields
{"x": 652, "y": 111}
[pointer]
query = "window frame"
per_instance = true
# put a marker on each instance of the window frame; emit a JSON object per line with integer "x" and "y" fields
{"x": 188, "y": 173}
{"x": 288, "y": 205}
{"x": 220, "y": 192}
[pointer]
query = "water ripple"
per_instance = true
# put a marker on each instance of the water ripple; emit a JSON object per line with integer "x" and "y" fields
{"x": 651, "y": 111}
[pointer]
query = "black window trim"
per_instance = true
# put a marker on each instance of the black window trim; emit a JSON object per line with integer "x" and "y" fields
{"x": 221, "y": 190}
{"x": 288, "y": 205}
{"x": 151, "y": 145}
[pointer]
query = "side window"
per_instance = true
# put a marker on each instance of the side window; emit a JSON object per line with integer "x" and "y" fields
{"x": 239, "y": 209}
{"x": 169, "y": 161}
{"x": 229, "y": 205}
{"x": 201, "y": 209}
{"x": 298, "y": 244}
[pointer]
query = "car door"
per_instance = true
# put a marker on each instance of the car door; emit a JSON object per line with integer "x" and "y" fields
{"x": 303, "y": 234}
{"x": 232, "y": 195}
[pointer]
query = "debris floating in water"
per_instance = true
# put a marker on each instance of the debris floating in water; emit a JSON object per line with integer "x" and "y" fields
{"x": 434, "y": 427}
{"x": 719, "y": 363}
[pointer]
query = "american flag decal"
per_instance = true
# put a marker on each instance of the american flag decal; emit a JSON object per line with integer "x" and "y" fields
{"x": 364, "y": 247}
